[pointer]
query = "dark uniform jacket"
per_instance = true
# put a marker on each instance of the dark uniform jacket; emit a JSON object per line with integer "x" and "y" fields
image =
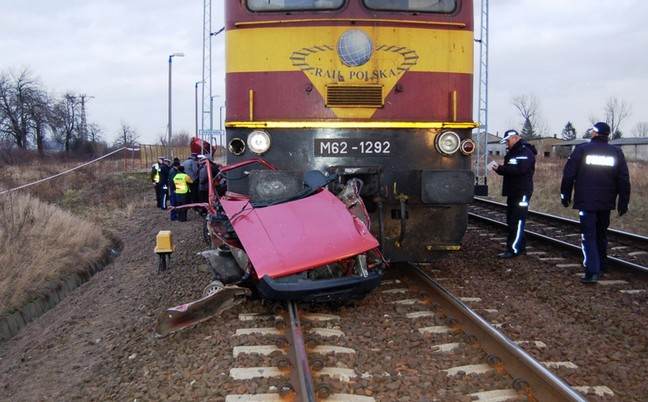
{"x": 518, "y": 169}
{"x": 599, "y": 173}
{"x": 164, "y": 173}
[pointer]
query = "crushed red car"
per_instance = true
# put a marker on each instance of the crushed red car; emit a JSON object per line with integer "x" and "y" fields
{"x": 288, "y": 239}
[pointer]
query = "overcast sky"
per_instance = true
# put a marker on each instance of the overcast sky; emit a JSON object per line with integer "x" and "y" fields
{"x": 572, "y": 55}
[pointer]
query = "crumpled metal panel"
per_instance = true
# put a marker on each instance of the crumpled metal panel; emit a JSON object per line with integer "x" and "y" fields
{"x": 295, "y": 236}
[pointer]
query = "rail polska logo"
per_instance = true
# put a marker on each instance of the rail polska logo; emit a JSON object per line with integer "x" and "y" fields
{"x": 354, "y": 50}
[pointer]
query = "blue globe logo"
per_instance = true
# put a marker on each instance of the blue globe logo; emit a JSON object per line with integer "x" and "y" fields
{"x": 355, "y": 48}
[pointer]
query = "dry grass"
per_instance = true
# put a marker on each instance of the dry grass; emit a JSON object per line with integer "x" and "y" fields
{"x": 59, "y": 227}
{"x": 546, "y": 197}
{"x": 89, "y": 193}
{"x": 40, "y": 243}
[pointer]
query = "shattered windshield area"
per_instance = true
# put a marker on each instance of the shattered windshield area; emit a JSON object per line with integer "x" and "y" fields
{"x": 293, "y": 5}
{"x": 430, "y": 6}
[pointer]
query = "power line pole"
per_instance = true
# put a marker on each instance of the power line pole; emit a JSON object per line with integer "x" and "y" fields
{"x": 481, "y": 157}
{"x": 84, "y": 123}
{"x": 206, "y": 63}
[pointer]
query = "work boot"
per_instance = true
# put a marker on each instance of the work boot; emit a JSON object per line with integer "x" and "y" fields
{"x": 506, "y": 255}
{"x": 590, "y": 279}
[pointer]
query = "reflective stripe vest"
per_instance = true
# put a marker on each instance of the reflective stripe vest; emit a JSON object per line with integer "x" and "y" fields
{"x": 156, "y": 177}
{"x": 180, "y": 181}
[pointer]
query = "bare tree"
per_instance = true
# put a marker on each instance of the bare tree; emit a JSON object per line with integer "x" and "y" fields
{"x": 127, "y": 136}
{"x": 528, "y": 106}
{"x": 641, "y": 129}
{"x": 616, "y": 111}
{"x": 95, "y": 133}
{"x": 16, "y": 94}
{"x": 40, "y": 110}
{"x": 66, "y": 119}
{"x": 179, "y": 139}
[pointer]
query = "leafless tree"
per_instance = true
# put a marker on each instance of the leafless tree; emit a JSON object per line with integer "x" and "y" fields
{"x": 95, "y": 133}
{"x": 616, "y": 111}
{"x": 40, "y": 113}
{"x": 17, "y": 93}
{"x": 65, "y": 120}
{"x": 641, "y": 129}
{"x": 179, "y": 139}
{"x": 127, "y": 136}
{"x": 529, "y": 108}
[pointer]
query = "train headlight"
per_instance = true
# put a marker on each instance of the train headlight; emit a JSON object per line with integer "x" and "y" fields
{"x": 236, "y": 146}
{"x": 448, "y": 143}
{"x": 468, "y": 147}
{"x": 258, "y": 141}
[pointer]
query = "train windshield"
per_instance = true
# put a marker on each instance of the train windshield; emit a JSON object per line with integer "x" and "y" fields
{"x": 429, "y": 6}
{"x": 293, "y": 5}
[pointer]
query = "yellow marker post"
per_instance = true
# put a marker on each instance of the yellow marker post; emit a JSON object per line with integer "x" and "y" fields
{"x": 164, "y": 249}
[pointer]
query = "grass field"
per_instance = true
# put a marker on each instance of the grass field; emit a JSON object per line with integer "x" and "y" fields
{"x": 58, "y": 227}
{"x": 546, "y": 197}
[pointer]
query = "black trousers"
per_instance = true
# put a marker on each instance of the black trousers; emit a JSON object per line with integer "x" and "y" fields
{"x": 182, "y": 199}
{"x": 594, "y": 225}
{"x": 159, "y": 195}
{"x": 517, "y": 209}
{"x": 194, "y": 195}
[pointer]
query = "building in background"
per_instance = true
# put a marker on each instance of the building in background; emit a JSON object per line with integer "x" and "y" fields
{"x": 546, "y": 146}
{"x": 635, "y": 149}
{"x": 565, "y": 148}
{"x": 494, "y": 147}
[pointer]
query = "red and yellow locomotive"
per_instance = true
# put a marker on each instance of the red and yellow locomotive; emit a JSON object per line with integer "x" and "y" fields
{"x": 379, "y": 90}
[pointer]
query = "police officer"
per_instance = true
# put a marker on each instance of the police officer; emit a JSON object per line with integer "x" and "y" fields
{"x": 599, "y": 173}
{"x": 156, "y": 168}
{"x": 181, "y": 182}
{"x": 172, "y": 172}
{"x": 191, "y": 168}
{"x": 518, "y": 169}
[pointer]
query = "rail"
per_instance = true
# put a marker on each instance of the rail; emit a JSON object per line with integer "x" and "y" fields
{"x": 619, "y": 262}
{"x": 301, "y": 377}
{"x": 573, "y": 222}
{"x": 529, "y": 375}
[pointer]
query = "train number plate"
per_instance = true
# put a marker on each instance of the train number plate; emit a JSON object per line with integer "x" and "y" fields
{"x": 352, "y": 147}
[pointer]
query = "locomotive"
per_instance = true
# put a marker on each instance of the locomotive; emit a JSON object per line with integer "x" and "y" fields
{"x": 373, "y": 90}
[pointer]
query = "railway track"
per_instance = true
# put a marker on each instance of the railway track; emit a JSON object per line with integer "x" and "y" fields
{"x": 626, "y": 250}
{"x": 412, "y": 333}
{"x": 530, "y": 377}
{"x": 310, "y": 380}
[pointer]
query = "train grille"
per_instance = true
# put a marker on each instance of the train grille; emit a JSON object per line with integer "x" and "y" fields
{"x": 354, "y": 96}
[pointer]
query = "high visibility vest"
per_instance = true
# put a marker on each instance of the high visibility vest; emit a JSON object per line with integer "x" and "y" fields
{"x": 180, "y": 182}
{"x": 156, "y": 177}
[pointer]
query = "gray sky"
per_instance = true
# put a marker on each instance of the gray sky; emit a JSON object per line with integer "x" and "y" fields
{"x": 572, "y": 55}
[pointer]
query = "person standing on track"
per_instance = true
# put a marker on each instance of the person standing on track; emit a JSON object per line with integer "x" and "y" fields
{"x": 181, "y": 182}
{"x": 517, "y": 186}
{"x": 598, "y": 173}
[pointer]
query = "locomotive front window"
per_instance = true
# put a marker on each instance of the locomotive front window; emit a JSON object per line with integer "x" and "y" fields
{"x": 426, "y": 6}
{"x": 293, "y": 5}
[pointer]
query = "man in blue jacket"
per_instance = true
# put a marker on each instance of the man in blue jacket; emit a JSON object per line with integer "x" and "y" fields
{"x": 517, "y": 170}
{"x": 599, "y": 173}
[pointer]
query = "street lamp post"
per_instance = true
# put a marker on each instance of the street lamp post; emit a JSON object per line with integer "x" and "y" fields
{"x": 196, "y": 96}
{"x": 211, "y": 107}
{"x": 171, "y": 56}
